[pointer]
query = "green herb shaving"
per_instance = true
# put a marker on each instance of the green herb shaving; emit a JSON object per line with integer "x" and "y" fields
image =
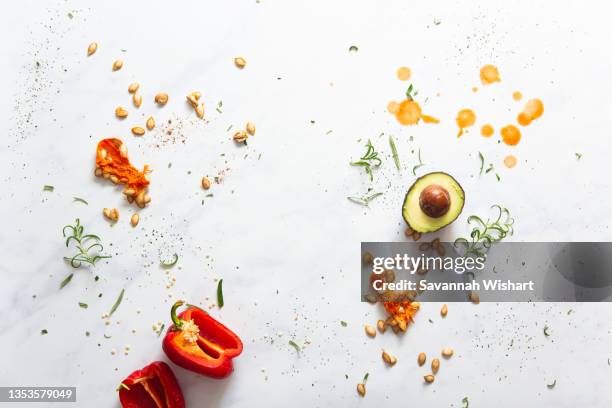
{"x": 43, "y": 332}
{"x": 419, "y": 165}
{"x": 481, "y": 157}
{"x": 466, "y": 402}
{"x": 369, "y": 159}
{"x": 578, "y": 156}
{"x": 353, "y": 48}
{"x": 117, "y": 303}
{"x": 411, "y": 93}
{"x": 170, "y": 264}
{"x": 365, "y": 377}
{"x": 220, "y": 293}
{"x": 484, "y": 234}
{"x": 161, "y": 329}
{"x": 83, "y": 244}
{"x": 79, "y": 200}
{"x": 295, "y": 346}
{"x": 552, "y": 385}
{"x": 343, "y": 323}
{"x": 394, "y": 152}
{"x": 365, "y": 201}
{"x": 546, "y": 331}
{"x": 66, "y": 280}
{"x": 219, "y": 106}
{"x": 83, "y": 305}
{"x": 48, "y": 188}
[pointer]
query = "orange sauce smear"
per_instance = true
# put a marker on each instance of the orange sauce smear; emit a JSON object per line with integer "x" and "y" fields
{"x": 465, "y": 118}
{"x": 404, "y": 73}
{"x": 489, "y": 74}
{"x": 533, "y": 109}
{"x": 511, "y": 135}
{"x": 112, "y": 160}
{"x": 487, "y": 130}
{"x": 510, "y": 161}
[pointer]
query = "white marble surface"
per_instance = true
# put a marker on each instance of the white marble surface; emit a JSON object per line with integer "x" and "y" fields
{"x": 279, "y": 229}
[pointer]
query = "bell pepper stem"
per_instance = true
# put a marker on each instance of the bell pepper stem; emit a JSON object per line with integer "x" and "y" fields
{"x": 178, "y": 323}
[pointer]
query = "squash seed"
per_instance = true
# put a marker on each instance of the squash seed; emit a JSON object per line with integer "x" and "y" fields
{"x": 200, "y": 110}
{"x": 421, "y": 359}
{"x": 161, "y": 98}
{"x": 205, "y": 183}
{"x": 250, "y": 128}
{"x": 429, "y": 378}
{"x": 117, "y": 65}
{"x": 137, "y": 98}
{"x": 370, "y": 330}
{"x": 93, "y": 47}
{"x": 361, "y": 389}
{"x": 134, "y": 220}
{"x": 150, "y": 123}
{"x": 435, "y": 365}
{"x": 444, "y": 310}
{"x": 240, "y": 62}
{"x": 121, "y": 112}
{"x": 389, "y": 359}
{"x": 447, "y": 352}
{"x": 138, "y": 131}
{"x": 382, "y": 327}
{"x": 133, "y": 87}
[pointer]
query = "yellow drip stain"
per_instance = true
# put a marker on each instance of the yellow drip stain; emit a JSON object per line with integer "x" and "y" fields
{"x": 408, "y": 113}
{"x": 489, "y": 74}
{"x": 517, "y": 96}
{"x": 465, "y": 118}
{"x": 487, "y": 130}
{"x": 533, "y": 109}
{"x": 393, "y": 107}
{"x": 404, "y": 73}
{"x": 510, "y": 161}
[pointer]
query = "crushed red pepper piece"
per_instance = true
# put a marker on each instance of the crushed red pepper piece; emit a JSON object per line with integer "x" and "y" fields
{"x": 112, "y": 160}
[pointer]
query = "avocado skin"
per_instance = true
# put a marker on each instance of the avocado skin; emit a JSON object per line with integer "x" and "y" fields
{"x": 417, "y": 182}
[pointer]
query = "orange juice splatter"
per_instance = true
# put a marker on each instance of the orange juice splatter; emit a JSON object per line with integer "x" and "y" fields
{"x": 404, "y": 73}
{"x": 465, "y": 118}
{"x": 429, "y": 119}
{"x": 532, "y": 110}
{"x": 393, "y": 107}
{"x": 409, "y": 112}
{"x": 489, "y": 74}
{"x": 510, "y": 161}
{"x": 517, "y": 96}
{"x": 486, "y": 130}
{"x": 511, "y": 135}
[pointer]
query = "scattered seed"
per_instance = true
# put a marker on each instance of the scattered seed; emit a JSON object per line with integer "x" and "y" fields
{"x": 250, "y": 128}
{"x": 416, "y": 236}
{"x": 474, "y": 298}
{"x": 111, "y": 214}
{"x": 138, "y": 131}
{"x": 409, "y": 231}
{"x": 205, "y": 183}
{"x": 134, "y": 220}
{"x": 444, "y": 310}
{"x": 429, "y": 378}
{"x": 240, "y": 136}
{"x": 93, "y": 47}
{"x": 447, "y": 352}
{"x": 421, "y": 359}
{"x": 240, "y": 62}
{"x": 196, "y": 95}
{"x": 161, "y": 98}
{"x": 370, "y": 330}
{"x": 121, "y": 112}
{"x": 389, "y": 359}
{"x": 382, "y": 327}
{"x": 117, "y": 65}
{"x": 367, "y": 258}
{"x": 435, "y": 365}
{"x": 361, "y": 389}
{"x": 133, "y": 87}
{"x": 200, "y": 110}
{"x": 137, "y": 99}
{"x": 150, "y": 123}
{"x": 192, "y": 100}
{"x": 425, "y": 246}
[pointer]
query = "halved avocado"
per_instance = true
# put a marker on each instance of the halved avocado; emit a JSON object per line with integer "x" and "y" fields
{"x": 432, "y": 202}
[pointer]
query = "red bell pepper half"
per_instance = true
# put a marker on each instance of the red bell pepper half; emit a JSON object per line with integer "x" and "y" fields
{"x": 154, "y": 386}
{"x": 199, "y": 343}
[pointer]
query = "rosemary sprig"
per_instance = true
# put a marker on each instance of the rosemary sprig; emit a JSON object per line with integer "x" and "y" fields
{"x": 365, "y": 201}
{"x": 394, "y": 152}
{"x": 484, "y": 234}
{"x": 79, "y": 200}
{"x": 83, "y": 244}
{"x": 418, "y": 166}
{"x": 294, "y": 345}
{"x": 369, "y": 159}
{"x": 117, "y": 303}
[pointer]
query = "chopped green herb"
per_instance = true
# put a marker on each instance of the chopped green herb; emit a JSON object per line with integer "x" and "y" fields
{"x": 161, "y": 329}
{"x": 394, "y": 153}
{"x": 83, "y": 305}
{"x": 578, "y": 156}
{"x": 497, "y": 177}
{"x": 368, "y": 159}
{"x": 83, "y": 245}
{"x": 353, "y": 48}
{"x": 294, "y": 345}
{"x": 552, "y": 385}
{"x": 43, "y": 332}
{"x": 48, "y": 188}
{"x": 546, "y": 331}
{"x": 70, "y": 15}
{"x": 209, "y": 195}
{"x": 87, "y": 333}
{"x": 117, "y": 303}
{"x": 106, "y": 336}
{"x": 466, "y": 402}
{"x": 219, "y": 106}
{"x": 66, "y": 280}
{"x": 170, "y": 264}
{"x": 365, "y": 377}
{"x": 220, "y": 293}
{"x": 79, "y": 200}
{"x": 419, "y": 165}
{"x": 365, "y": 201}
{"x": 409, "y": 92}
{"x": 343, "y": 323}
{"x": 481, "y": 157}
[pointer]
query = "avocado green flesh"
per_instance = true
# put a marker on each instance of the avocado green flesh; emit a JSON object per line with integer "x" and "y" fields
{"x": 416, "y": 218}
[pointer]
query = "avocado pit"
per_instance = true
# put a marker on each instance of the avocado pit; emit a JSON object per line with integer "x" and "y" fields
{"x": 434, "y": 201}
